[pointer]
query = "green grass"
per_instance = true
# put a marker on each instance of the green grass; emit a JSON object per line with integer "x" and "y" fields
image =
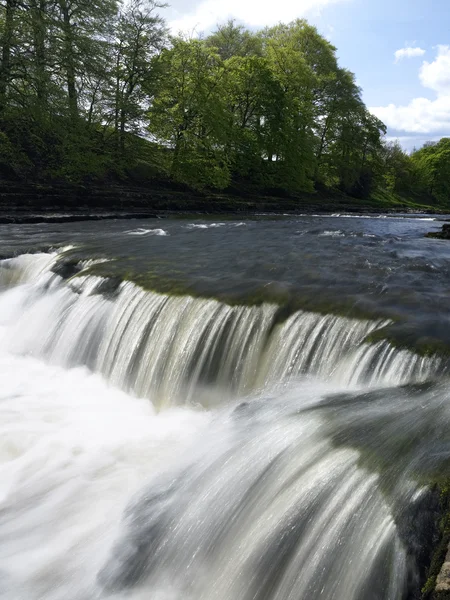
{"x": 389, "y": 200}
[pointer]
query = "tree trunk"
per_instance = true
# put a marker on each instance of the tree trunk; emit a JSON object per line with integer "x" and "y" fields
{"x": 123, "y": 119}
{"x": 117, "y": 99}
{"x": 38, "y": 8}
{"x": 92, "y": 103}
{"x": 7, "y": 42}
{"x": 69, "y": 61}
{"x": 321, "y": 147}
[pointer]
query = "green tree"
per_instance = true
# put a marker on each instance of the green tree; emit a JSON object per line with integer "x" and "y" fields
{"x": 289, "y": 125}
{"x": 188, "y": 114}
{"x": 231, "y": 40}
{"x": 400, "y": 174}
{"x": 249, "y": 91}
{"x": 140, "y": 37}
{"x": 81, "y": 26}
{"x": 339, "y": 97}
{"x": 433, "y": 164}
{"x": 80, "y": 80}
{"x": 8, "y": 31}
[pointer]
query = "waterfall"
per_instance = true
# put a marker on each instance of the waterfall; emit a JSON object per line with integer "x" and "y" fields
{"x": 160, "y": 447}
{"x": 264, "y": 506}
{"x": 181, "y": 349}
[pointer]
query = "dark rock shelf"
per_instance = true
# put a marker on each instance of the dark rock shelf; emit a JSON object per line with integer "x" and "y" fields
{"x": 444, "y": 234}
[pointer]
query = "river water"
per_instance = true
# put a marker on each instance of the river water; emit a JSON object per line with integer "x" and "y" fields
{"x": 194, "y": 409}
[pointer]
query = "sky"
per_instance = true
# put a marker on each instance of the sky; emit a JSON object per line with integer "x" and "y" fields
{"x": 398, "y": 49}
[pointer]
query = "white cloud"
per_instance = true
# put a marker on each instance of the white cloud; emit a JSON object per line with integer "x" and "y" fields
{"x": 410, "y": 142}
{"x": 436, "y": 75}
{"x": 419, "y": 116}
{"x": 422, "y": 115}
{"x": 254, "y": 13}
{"x": 408, "y": 52}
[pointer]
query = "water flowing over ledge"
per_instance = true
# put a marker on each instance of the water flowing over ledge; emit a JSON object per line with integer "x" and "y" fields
{"x": 182, "y": 349}
{"x": 304, "y": 480}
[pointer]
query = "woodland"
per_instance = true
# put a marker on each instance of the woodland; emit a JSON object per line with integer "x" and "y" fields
{"x": 100, "y": 91}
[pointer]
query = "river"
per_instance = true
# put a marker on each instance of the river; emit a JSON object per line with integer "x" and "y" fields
{"x": 195, "y": 409}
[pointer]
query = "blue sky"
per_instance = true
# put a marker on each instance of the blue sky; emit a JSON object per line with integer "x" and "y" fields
{"x": 409, "y": 91}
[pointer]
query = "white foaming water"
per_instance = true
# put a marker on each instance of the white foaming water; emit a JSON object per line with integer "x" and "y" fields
{"x": 205, "y": 225}
{"x": 73, "y": 451}
{"x": 258, "y": 511}
{"x": 393, "y": 217}
{"x": 331, "y": 233}
{"x": 25, "y": 268}
{"x": 142, "y": 231}
{"x": 248, "y": 502}
{"x": 172, "y": 348}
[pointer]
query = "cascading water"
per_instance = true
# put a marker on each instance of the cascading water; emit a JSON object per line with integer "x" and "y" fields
{"x": 297, "y": 483}
{"x": 170, "y": 347}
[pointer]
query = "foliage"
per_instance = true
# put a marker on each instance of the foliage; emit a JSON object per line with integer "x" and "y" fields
{"x": 75, "y": 77}
{"x": 188, "y": 113}
{"x": 94, "y": 89}
{"x": 432, "y": 163}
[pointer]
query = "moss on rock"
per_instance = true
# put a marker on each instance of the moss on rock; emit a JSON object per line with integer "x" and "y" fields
{"x": 441, "y": 547}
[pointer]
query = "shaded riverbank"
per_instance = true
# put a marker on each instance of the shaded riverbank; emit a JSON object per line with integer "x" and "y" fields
{"x": 29, "y": 203}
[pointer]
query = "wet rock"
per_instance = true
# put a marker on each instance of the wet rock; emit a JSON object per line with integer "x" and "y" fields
{"x": 67, "y": 269}
{"x": 441, "y": 235}
{"x": 109, "y": 287}
{"x": 443, "y": 579}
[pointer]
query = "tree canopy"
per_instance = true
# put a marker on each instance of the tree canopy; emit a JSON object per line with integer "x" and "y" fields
{"x": 273, "y": 107}
{"x": 95, "y": 88}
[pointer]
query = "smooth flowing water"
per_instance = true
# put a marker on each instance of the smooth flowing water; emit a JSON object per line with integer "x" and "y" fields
{"x": 200, "y": 410}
